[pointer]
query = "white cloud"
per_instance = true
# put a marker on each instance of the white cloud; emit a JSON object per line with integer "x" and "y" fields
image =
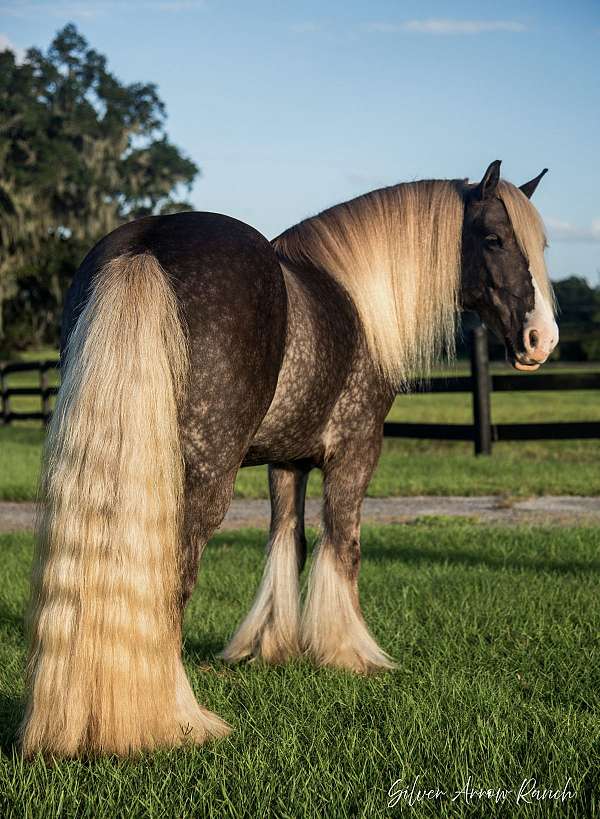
{"x": 447, "y": 26}
{"x": 7, "y": 45}
{"x": 562, "y": 231}
{"x": 305, "y": 28}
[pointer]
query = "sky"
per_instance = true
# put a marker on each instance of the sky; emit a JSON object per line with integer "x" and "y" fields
{"x": 290, "y": 106}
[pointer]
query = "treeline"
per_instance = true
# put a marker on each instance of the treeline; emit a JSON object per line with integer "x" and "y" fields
{"x": 578, "y": 319}
{"x": 80, "y": 153}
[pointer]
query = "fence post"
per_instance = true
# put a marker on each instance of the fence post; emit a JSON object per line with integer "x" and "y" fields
{"x": 5, "y": 396}
{"x": 44, "y": 392}
{"x": 481, "y": 381}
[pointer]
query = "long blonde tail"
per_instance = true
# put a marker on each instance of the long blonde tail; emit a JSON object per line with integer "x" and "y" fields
{"x": 105, "y": 672}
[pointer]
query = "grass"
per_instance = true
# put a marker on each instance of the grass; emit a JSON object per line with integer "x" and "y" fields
{"x": 406, "y": 467}
{"x": 413, "y": 467}
{"x": 496, "y": 633}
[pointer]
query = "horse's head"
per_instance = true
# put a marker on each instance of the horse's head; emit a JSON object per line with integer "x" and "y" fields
{"x": 504, "y": 277}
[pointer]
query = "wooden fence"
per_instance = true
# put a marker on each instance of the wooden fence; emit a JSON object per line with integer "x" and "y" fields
{"x": 482, "y": 432}
{"x": 43, "y": 391}
{"x": 480, "y": 384}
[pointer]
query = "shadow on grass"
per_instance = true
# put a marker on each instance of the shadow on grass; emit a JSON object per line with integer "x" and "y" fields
{"x": 12, "y": 706}
{"x": 14, "y": 621}
{"x": 204, "y": 650}
{"x": 463, "y": 558}
{"x": 12, "y": 709}
{"x": 408, "y": 554}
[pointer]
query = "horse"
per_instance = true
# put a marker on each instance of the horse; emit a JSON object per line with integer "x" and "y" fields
{"x": 192, "y": 346}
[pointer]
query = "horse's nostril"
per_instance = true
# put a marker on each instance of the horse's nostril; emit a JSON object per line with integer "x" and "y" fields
{"x": 534, "y": 338}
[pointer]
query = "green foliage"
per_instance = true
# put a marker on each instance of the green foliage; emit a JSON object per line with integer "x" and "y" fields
{"x": 579, "y": 319}
{"x": 495, "y": 631}
{"x": 80, "y": 152}
{"x": 578, "y": 301}
{"x": 591, "y": 348}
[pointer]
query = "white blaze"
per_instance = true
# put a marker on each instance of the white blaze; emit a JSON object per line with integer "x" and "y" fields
{"x": 541, "y": 319}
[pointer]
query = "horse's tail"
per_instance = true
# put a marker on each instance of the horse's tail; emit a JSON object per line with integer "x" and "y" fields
{"x": 105, "y": 672}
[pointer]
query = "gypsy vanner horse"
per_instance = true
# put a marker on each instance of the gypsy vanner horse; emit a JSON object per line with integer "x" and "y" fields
{"x": 192, "y": 346}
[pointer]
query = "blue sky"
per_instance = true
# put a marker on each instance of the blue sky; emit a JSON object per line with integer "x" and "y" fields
{"x": 289, "y": 107}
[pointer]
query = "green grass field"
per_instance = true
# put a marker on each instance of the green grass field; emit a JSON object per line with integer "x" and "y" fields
{"x": 495, "y": 630}
{"x": 406, "y": 467}
{"x": 496, "y": 634}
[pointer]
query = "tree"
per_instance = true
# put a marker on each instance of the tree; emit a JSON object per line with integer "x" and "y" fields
{"x": 80, "y": 153}
{"x": 578, "y": 301}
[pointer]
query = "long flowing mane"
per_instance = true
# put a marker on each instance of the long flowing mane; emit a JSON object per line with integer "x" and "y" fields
{"x": 530, "y": 233}
{"x": 397, "y": 252}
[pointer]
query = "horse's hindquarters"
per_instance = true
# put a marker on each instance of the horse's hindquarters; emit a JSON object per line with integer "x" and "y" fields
{"x": 105, "y": 674}
{"x": 177, "y": 328}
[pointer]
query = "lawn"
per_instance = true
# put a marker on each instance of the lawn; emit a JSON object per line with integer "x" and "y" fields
{"x": 496, "y": 635}
{"x": 407, "y": 467}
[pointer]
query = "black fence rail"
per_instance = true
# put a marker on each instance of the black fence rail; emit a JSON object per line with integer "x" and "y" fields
{"x": 480, "y": 383}
{"x": 43, "y": 391}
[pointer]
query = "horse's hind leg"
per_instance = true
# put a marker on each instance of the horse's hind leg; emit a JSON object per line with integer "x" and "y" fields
{"x": 205, "y": 504}
{"x": 271, "y": 627}
{"x": 207, "y": 500}
{"x": 333, "y": 629}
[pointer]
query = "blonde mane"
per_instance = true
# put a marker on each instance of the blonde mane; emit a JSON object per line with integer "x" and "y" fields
{"x": 530, "y": 234}
{"x": 397, "y": 252}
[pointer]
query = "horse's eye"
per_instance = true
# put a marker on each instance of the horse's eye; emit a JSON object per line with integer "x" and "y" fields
{"x": 492, "y": 239}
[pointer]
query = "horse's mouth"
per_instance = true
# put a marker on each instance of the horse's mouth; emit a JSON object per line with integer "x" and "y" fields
{"x": 519, "y": 360}
{"x": 528, "y": 368}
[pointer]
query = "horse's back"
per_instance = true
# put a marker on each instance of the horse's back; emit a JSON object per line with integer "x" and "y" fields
{"x": 217, "y": 265}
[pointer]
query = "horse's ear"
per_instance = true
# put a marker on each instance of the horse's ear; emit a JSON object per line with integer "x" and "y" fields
{"x": 488, "y": 184}
{"x": 529, "y": 187}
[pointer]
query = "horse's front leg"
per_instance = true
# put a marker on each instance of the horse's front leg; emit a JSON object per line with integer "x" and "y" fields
{"x": 333, "y": 629}
{"x": 271, "y": 627}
